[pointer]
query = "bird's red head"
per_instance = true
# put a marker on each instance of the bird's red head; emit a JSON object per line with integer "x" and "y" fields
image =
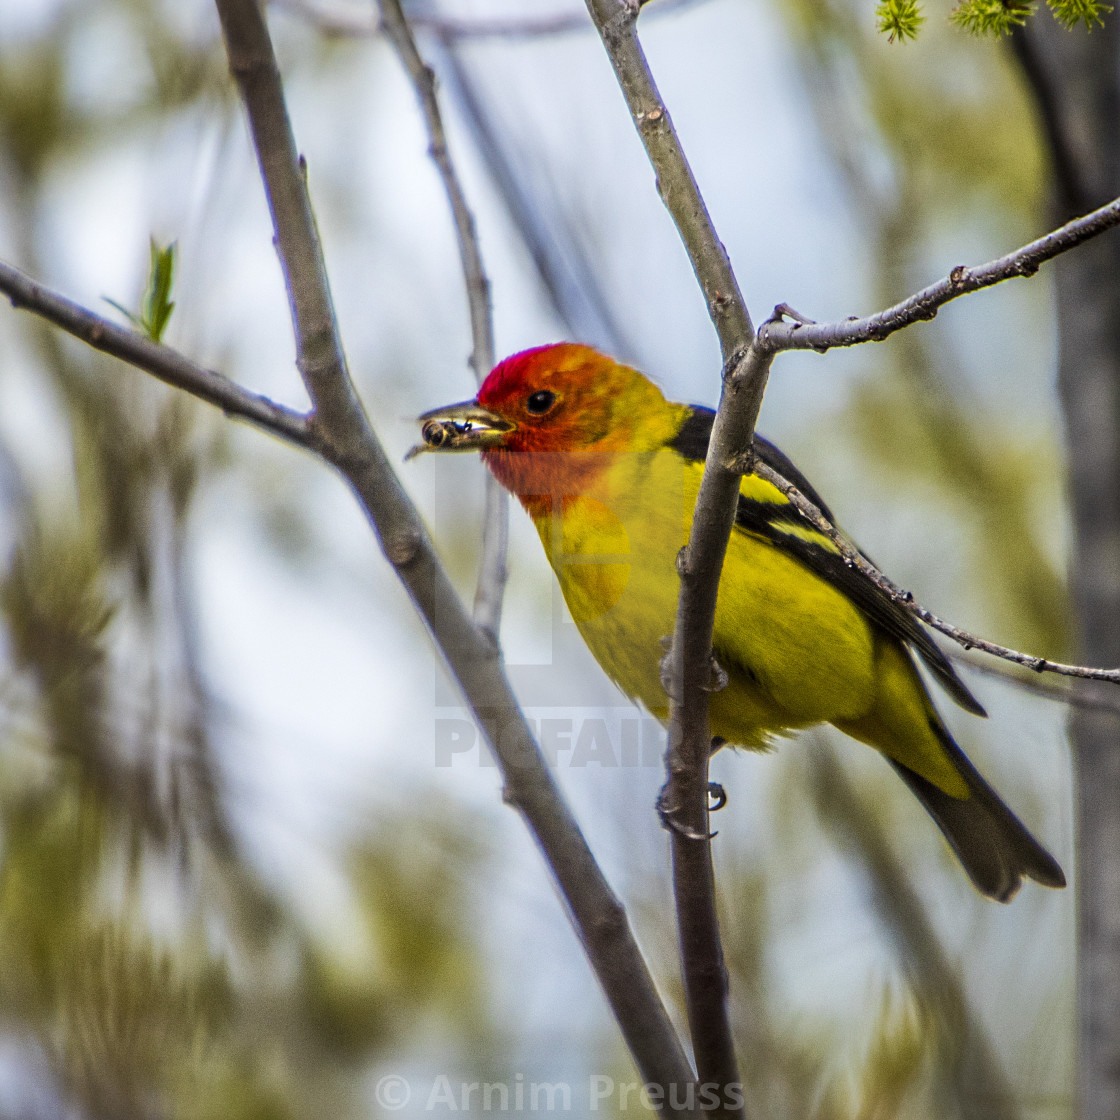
{"x": 548, "y": 416}
{"x": 561, "y": 398}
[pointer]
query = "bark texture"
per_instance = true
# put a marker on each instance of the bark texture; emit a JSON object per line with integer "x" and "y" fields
{"x": 1076, "y": 81}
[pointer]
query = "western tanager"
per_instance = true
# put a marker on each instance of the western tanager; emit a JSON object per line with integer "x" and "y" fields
{"x": 609, "y": 470}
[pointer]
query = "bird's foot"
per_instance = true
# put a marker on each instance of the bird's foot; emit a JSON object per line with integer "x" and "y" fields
{"x": 665, "y": 669}
{"x": 717, "y": 674}
{"x": 667, "y": 813}
{"x": 717, "y": 680}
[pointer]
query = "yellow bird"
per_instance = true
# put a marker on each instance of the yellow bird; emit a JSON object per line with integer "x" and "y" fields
{"x": 609, "y": 471}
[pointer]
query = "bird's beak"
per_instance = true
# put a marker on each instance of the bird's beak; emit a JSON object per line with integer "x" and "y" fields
{"x": 465, "y": 426}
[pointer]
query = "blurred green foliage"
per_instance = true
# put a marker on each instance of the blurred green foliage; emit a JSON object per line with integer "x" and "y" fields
{"x": 143, "y": 953}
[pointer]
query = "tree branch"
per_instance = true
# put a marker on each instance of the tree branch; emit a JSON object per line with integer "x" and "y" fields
{"x": 855, "y": 559}
{"x": 471, "y": 656}
{"x": 778, "y": 334}
{"x": 746, "y": 366}
{"x": 691, "y": 671}
{"x": 494, "y": 570}
{"x": 1077, "y": 81}
{"x": 152, "y": 357}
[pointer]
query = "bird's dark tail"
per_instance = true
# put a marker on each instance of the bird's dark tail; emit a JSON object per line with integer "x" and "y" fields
{"x": 993, "y": 845}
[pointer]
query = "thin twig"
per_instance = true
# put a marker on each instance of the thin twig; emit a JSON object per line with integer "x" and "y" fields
{"x": 352, "y": 20}
{"x": 161, "y": 361}
{"x": 965, "y": 457}
{"x": 778, "y": 334}
{"x": 471, "y": 656}
{"x": 424, "y": 83}
{"x": 572, "y": 283}
{"x": 494, "y": 569}
{"x": 691, "y": 670}
{"x": 885, "y": 205}
{"x": 1088, "y": 698}
{"x": 749, "y": 463}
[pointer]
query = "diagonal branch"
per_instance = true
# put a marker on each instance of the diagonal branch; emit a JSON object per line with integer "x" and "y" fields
{"x": 855, "y": 559}
{"x": 493, "y": 572}
{"x": 152, "y": 357}
{"x": 778, "y": 334}
{"x": 472, "y": 657}
{"x": 691, "y": 672}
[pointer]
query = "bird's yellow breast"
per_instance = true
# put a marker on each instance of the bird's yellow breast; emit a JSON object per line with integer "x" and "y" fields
{"x": 796, "y": 650}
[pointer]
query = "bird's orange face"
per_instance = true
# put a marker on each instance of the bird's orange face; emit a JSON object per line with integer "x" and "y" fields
{"x": 547, "y": 417}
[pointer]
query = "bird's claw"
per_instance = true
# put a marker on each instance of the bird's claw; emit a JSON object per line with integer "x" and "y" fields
{"x": 717, "y": 675}
{"x": 668, "y": 679}
{"x": 667, "y": 814}
{"x": 718, "y": 797}
{"x": 717, "y": 679}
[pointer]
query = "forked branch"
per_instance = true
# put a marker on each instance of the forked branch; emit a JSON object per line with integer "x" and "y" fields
{"x": 747, "y": 360}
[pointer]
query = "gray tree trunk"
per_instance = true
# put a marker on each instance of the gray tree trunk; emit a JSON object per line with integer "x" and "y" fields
{"x": 1076, "y": 80}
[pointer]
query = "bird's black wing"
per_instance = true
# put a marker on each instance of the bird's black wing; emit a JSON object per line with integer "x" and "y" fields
{"x": 779, "y": 522}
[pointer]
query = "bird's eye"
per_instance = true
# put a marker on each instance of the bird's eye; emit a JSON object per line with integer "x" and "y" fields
{"x": 540, "y": 401}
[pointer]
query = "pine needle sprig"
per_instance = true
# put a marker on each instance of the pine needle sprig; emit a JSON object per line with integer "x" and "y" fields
{"x": 899, "y": 19}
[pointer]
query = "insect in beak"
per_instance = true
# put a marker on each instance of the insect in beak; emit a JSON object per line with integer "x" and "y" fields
{"x": 465, "y": 426}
